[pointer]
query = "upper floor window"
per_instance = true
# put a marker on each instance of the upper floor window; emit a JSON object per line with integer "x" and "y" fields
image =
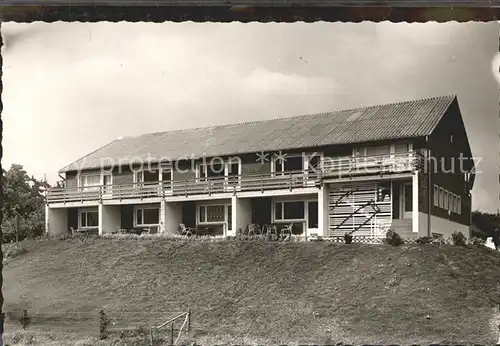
{"x": 90, "y": 181}
{"x": 378, "y": 150}
{"x": 167, "y": 175}
{"x": 400, "y": 148}
{"x": 219, "y": 168}
{"x": 288, "y": 163}
{"x": 233, "y": 166}
{"x": 313, "y": 162}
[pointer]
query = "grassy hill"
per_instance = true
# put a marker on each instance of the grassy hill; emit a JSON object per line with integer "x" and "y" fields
{"x": 256, "y": 292}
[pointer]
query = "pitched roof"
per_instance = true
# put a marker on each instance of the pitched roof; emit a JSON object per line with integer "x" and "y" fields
{"x": 408, "y": 119}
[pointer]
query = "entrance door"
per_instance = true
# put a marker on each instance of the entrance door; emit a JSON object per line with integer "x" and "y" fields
{"x": 407, "y": 201}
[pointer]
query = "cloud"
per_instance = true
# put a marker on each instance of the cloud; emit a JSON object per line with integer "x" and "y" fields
{"x": 90, "y": 83}
{"x": 268, "y": 82}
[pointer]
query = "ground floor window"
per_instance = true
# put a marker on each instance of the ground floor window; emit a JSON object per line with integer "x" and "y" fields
{"x": 294, "y": 210}
{"x": 215, "y": 214}
{"x": 147, "y": 216}
{"x": 89, "y": 219}
{"x": 297, "y": 211}
{"x": 447, "y": 200}
{"x": 436, "y": 196}
{"x": 302, "y": 214}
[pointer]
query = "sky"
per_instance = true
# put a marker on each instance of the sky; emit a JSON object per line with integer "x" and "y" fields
{"x": 70, "y": 88}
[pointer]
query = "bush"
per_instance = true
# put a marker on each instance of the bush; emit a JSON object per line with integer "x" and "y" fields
{"x": 424, "y": 240}
{"x": 348, "y": 238}
{"x": 393, "y": 239}
{"x": 477, "y": 241}
{"x": 13, "y": 250}
{"x": 458, "y": 239}
{"x": 140, "y": 331}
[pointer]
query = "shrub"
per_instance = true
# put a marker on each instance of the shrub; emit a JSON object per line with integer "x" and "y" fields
{"x": 135, "y": 332}
{"x": 424, "y": 240}
{"x": 14, "y": 250}
{"x": 348, "y": 238}
{"x": 393, "y": 239}
{"x": 440, "y": 241}
{"x": 477, "y": 241}
{"x": 458, "y": 239}
{"x": 239, "y": 232}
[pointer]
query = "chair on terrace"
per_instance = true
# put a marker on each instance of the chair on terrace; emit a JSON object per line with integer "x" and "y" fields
{"x": 187, "y": 231}
{"x": 286, "y": 232}
{"x": 254, "y": 229}
{"x": 120, "y": 230}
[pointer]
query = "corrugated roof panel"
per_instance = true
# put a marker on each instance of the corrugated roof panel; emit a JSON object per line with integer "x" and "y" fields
{"x": 397, "y": 120}
{"x": 354, "y": 116}
{"x": 323, "y": 128}
{"x": 419, "y": 116}
{"x": 437, "y": 113}
{"x": 301, "y": 133}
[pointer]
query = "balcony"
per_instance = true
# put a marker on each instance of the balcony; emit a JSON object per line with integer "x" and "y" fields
{"x": 331, "y": 168}
{"x": 191, "y": 187}
{"x": 370, "y": 165}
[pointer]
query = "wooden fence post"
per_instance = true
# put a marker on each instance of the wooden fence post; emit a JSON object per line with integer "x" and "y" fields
{"x": 189, "y": 320}
{"x": 25, "y": 320}
{"x": 151, "y": 337}
{"x": 103, "y": 325}
{"x": 172, "y": 333}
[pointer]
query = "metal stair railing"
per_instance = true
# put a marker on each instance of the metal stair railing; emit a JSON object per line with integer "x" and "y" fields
{"x": 355, "y": 212}
{"x": 350, "y": 192}
{"x": 376, "y": 210}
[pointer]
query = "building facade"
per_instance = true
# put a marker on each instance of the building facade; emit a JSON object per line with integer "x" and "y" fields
{"x": 404, "y": 166}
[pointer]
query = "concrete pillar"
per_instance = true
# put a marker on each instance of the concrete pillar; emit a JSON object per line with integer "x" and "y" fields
{"x": 162, "y": 213}
{"x": 109, "y": 218}
{"x": 414, "y": 214}
{"x": 172, "y": 216}
{"x": 241, "y": 214}
{"x": 56, "y": 221}
{"x": 323, "y": 212}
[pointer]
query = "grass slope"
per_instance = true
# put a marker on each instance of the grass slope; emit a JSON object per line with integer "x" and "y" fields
{"x": 258, "y": 292}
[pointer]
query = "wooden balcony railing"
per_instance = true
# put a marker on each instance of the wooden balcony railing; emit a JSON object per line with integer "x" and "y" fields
{"x": 368, "y": 165}
{"x": 202, "y": 186}
{"x": 328, "y": 168}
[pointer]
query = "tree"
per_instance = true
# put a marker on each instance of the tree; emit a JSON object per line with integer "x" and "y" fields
{"x": 24, "y": 199}
{"x": 487, "y": 223}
